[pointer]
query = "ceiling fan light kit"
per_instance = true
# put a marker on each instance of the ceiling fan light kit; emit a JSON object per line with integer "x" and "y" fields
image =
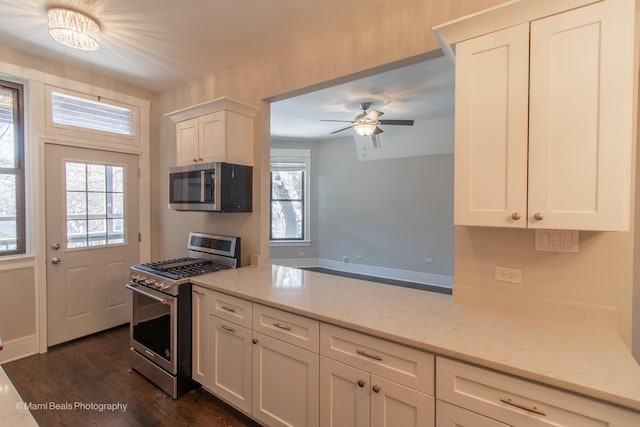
{"x": 74, "y": 29}
{"x": 367, "y": 123}
{"x": 365, "y": 129}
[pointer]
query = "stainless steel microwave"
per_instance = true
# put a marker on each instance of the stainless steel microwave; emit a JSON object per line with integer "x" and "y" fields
{"x": 214, "y": 187}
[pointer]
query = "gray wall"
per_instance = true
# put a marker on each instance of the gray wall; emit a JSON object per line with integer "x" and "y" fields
{"x": 394, "y": 213}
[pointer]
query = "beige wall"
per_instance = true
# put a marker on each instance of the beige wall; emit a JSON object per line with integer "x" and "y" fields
{"x": 402, "y": 30}
{"x": 17, "y": 305}
{"x": 600, "y": 274}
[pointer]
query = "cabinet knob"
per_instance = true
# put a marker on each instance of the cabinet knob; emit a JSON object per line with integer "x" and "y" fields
{"x": 361, "y": 383}
{"x": 195, "y": 160}
{"x": 200, "y": 159}
{"x": 376, "y": 388}
{"x": 515, "y": 216}
{"x": 255, "y": 340}
{"x": 538, "y": 216}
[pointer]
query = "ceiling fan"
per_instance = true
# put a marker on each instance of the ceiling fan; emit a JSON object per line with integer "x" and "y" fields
{"x": 368, "y": 123}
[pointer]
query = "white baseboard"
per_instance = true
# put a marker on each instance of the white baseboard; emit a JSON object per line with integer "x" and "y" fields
{"x": 370, "y": 270}
{"x": 19, "y": 348}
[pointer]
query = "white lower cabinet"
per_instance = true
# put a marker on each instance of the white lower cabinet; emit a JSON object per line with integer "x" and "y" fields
{"x": 353, "y": 397}
{"x": 367, "y": 381}
{"x": 285, "y": 383}
{"x": 518, "y": 402}
{"x": 448, "y": 415}
{"x": 199, "y": 336}
{"x": 230, "y": 362}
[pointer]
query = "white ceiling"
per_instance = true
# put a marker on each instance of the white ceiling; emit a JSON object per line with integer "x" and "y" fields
{"x": 161, "y": 44}
{"x": 420, "y": 92}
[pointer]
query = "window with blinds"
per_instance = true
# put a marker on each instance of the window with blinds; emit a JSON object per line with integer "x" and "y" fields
{"x": 96, "y": 115}
{"x": 289, "y": 194}
{"x": 12, "y": 193}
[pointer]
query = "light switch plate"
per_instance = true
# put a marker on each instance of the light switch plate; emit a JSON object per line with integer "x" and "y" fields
{"x": 557, "y": 240}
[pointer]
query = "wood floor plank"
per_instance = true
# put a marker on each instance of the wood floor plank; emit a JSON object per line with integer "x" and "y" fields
{"x": 94, "y": 371}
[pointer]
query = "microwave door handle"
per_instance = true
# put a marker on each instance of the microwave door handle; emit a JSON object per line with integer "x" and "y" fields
{"x": 202, "y": 186}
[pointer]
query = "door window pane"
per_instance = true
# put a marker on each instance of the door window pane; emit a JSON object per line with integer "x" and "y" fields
{"x": 95, "y": 204}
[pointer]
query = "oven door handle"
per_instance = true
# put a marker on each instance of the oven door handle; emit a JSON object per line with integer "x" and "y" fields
{"x": 146, "y": 294}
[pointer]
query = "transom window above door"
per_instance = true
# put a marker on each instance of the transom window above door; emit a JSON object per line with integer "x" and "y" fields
{"x": 94, "y": 205}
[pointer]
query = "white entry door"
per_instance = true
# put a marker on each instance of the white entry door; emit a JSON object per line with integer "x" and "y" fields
{"x": 92, "y": 239}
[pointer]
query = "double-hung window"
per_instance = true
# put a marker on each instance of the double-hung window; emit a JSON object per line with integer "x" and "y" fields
{"x": 12, "y": 211}
{"x": 290, "y": 195}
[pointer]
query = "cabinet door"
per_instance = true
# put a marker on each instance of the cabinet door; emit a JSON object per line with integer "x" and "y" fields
{"x": 285, "y": 383}
{"x": 344, "y": 395}
{"x": 453, "y": 416}
{"x": 231, "y": 363}
{"x": 580, "y": 118}
{"x": 199, "y": 334}
{"x": 393, "y": 404}
{"x": 492, "y": 74}
{"x": 213, "y": 137}
{"x": 187, "y": 142}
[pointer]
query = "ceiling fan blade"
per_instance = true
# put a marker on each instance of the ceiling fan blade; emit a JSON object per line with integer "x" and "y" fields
{"x": 340, "y": 130}
{"x": 397, "y": 122}
{"x": 378, "y": 130}
{"x": 344, "y": 121}
{"x": 373, "y": 115}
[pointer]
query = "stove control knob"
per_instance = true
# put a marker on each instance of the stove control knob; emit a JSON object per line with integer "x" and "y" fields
{"x": 166, "y": 286}
{"x": 149, "y": 282}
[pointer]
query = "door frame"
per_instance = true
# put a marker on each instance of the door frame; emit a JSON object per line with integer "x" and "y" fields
{"x": 39, "y": 214}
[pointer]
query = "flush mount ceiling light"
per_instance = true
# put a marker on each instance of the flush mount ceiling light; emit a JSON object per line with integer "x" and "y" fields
{"x": 73, "y": 29}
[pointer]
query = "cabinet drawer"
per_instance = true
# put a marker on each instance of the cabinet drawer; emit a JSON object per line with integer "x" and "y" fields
{"x": 519, "y": 402}
{"x": 448, "y": 415}
{"x": 404, "y": 365}
{"x": 288, "y": 327}
{"x": 230, "y": 308}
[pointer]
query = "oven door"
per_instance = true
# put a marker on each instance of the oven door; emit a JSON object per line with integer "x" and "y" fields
{"x": 154, "y": 324}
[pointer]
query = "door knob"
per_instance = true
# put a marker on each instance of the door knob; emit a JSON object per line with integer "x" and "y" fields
{"x": 55, "y": 246}
{"x": 56, "y": 260}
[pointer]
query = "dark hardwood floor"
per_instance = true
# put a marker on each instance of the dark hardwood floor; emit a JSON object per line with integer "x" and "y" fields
{"x": 62, "y": 383}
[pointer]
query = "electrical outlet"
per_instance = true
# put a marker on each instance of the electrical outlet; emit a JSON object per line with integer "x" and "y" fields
{"x": 300, "y": 253}
{"x": 509, "y": 275}
{"x": 428, "y": 260}
{"x": 358, "y": 257}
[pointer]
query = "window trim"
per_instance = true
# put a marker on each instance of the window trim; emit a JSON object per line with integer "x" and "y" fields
{"x": 296, "y": 155}
{"x": 18, "y": 169}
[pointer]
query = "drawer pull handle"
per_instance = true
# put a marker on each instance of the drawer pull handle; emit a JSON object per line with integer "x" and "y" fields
{"x": 227, "y": 308}
{"x": 281, "y": 326}
{"x": 369, "y": 355}
{"x": 200, "y": 294}
{"x": 523, "y": 407}
{"x": 227, "y": 328}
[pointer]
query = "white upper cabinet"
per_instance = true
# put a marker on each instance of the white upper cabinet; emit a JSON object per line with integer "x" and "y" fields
{"x": 492, "y": 80}
{"x": 215, "y": 131}
{"x": 544, "y": 124}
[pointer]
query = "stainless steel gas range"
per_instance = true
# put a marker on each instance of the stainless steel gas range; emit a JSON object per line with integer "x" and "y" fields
{"x": 160, "y": 327}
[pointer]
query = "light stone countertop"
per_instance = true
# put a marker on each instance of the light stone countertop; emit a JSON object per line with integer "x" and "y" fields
{"x": 590, "y": 361}
{"x": 13, "y": 411}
